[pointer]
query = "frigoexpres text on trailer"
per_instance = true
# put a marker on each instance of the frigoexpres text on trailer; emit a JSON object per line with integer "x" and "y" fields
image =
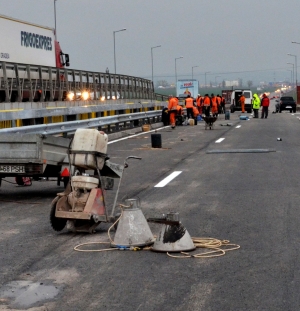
{"x": 37, "y": 41}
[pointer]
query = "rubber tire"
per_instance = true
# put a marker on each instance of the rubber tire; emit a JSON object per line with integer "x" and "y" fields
{"x": 57, "y": 224}
{"x": 294, "y": 110}
{"x": 19, "y": 181}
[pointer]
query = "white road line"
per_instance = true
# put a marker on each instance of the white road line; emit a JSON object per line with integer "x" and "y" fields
{"x": 168, "y": 179}
{"x": 237, "y": 127}
{"x": 219, "y": 140}
{"x": 134, "y": 135}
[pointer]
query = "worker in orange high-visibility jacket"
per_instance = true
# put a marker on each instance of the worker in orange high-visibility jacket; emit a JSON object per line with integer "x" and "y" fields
{"x": 206, "y": 105}
{"x": 199, "y": 103}
{"x": 214, "y": 105}
{"x": 219, "y": 99}
{"x": 242, "y": 102}
{"x": 189, "y": 104}
{"x": 180, "y": 113}
{"x": 172, "y": 107}
{"x": 195, "y": 114}
{"x": 223, "y": 102}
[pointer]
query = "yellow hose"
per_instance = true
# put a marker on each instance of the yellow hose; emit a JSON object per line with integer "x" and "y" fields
{"x": 218, "y": 248}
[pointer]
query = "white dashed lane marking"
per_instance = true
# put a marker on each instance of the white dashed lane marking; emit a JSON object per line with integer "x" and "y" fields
{"x": 219, "y": 140}
{"x": 168, "y": 179}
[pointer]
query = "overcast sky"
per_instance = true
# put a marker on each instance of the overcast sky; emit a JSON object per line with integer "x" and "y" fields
{"x": 246, "y": 39}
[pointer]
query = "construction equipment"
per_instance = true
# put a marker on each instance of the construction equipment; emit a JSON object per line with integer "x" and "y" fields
{"x": 173, "y": 236}
{"x": 82, "y": 205}
{"x": 133, "y": 229}
{"x": 209, "y": 121}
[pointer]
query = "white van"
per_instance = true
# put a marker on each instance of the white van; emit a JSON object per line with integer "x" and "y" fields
{"x": 235, "y": 105}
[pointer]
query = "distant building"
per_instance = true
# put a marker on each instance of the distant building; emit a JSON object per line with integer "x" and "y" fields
{"x": 228, "y": 83}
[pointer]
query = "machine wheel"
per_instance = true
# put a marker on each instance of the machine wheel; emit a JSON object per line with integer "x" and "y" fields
{"x": 57, "y": 223}
{"x": 294, "y": 110}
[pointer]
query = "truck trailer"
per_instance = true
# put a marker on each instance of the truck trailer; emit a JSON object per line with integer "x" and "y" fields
{"x": 33, "y": 156}
{"x": 26, "y": 43}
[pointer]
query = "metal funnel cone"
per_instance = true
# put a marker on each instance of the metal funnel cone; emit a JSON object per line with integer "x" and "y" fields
{"x": 133, "y": 229}
{"x": 173, "y": 237}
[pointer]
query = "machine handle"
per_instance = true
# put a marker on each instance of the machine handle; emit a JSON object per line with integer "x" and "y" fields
{"x": 130, "y": 157}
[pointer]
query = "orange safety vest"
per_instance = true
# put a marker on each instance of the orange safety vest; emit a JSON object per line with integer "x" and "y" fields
{"x": 214, "y": 104}
{"x": 242, "y": 99}
{"x": 189, "y": 102}
{"x": 198, "y": 101}
{"x": 195, "y": 111}
{"x": 206, "y": 101}
{"x": 172, "y": 104}
{"x": 219, "y": 101}
{"x": 179, "y": 110}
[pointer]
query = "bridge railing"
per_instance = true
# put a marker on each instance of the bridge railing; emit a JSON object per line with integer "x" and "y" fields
{"x": 24, "y": 82}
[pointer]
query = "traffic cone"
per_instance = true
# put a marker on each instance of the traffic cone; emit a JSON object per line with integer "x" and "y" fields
{"x": 173, "y": 236}
{"x": 133, "y": 229}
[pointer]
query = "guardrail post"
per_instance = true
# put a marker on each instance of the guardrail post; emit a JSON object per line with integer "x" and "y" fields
{"x": 30, "y": 83}
{"x": 50, "y": 85}
{"x": 6, "y": 86}
{"x": 41, "y": 88}
{"x": 19, "y": 97}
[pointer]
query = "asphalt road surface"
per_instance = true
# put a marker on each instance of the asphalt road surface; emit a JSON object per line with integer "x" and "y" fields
{"x": 250, "y": 198}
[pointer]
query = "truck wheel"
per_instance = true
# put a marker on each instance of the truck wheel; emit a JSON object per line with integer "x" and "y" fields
{"x": 57, "y": 223}
{"x": 294, "y": 110}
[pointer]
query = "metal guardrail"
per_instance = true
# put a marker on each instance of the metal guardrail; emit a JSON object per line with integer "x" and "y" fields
{"x": 19, "y": 82}
{"x": 71, "y": 126}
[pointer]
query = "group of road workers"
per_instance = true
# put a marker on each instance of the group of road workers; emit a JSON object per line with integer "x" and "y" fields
{"x": 205, "y": 105}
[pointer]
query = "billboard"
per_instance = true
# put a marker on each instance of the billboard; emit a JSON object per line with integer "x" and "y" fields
{"x": 187, "y": 87}
{"x": 26, "y": 43}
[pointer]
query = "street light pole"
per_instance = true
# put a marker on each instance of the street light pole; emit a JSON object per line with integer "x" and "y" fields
{"x": 154, "y": 47}
{"x": 205, "y": 76}
{"x": 291, "y": 74}
{"x": 176, "y": 69}
{"x": 55, "y": 20}
{"x": 193, "y": 71}
{"x": 293, "y": 71}
{"x": 115, "y": 47}
{"x": 296, "y": 75}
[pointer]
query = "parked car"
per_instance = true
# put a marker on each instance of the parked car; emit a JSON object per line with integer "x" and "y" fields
{"x": 285, "y": 103}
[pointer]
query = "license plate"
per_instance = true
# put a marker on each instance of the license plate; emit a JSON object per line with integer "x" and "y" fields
{"x": 12, "y": 169}
{"x": 288, "y": 107}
